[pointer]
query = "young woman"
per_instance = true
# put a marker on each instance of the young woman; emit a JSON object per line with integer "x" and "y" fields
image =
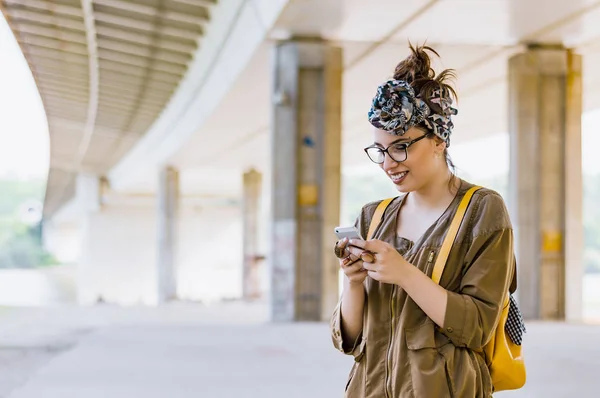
{"x": 410, "y": 336}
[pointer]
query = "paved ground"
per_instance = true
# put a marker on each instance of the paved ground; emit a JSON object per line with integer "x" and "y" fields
{"x": 226, "y": 351}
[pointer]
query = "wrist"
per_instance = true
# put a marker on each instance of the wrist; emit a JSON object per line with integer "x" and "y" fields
{"x": 353, "y": 285}
{"x": 404, "y": 273}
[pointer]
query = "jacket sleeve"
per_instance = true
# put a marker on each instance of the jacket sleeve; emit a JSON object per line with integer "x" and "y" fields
{"x": 473, "y": 312}
{"x": 354, "y": 348}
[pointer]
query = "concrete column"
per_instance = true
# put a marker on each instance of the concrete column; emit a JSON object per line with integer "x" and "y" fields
{"x": 546, "y": 180}
{"x": 168, "y": 205}
{"x": 305, "y": 181}
{"x": 88, "y": 189}
{"x": 88, "y": 192}
{"x": 252, "y": 186}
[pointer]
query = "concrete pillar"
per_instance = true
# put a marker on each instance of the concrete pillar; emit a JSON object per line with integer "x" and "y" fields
{"x": 88, "y": 193}
{"x": 168, "y": 205}
{"x": 305, "y": 180}
{"x": 545, "y": 101}
{"x": 252, "y": 186}
{"x": 62, "y": 240}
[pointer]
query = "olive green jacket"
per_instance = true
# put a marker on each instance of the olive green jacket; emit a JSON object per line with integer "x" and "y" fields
{"x": 401, "y": 352}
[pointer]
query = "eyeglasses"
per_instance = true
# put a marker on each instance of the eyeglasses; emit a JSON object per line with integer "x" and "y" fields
{"x": 397, "y": 151}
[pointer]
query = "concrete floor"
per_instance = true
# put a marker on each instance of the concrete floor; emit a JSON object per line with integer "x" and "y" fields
{"x": 226, "y": 351}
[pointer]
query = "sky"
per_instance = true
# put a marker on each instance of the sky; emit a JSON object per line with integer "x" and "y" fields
{"x": 24, "y": 140}
{"x": 23, "y": 127}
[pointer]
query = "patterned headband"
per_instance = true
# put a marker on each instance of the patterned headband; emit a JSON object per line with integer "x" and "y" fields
{"x": 396, "y": 109}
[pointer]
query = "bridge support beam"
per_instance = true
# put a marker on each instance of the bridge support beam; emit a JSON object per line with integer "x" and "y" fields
{"x": 305, "y": 182}
{"x": 546, "y": 180}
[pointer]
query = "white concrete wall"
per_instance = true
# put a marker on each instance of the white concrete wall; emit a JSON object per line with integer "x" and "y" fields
{"x": 209, "y": 256}
{"x": 117, "y": 262}
{"x": 38, "y": 287}
{"x": 115, "y": 251}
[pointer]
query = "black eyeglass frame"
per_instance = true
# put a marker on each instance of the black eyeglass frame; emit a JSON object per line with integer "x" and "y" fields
{"x": 406, "y": 145}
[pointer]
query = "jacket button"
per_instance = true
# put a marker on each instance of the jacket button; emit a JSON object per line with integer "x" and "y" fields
{"x": 450, "y": 329}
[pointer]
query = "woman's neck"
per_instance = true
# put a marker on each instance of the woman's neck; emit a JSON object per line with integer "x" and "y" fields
{"x": 437, "y": 193}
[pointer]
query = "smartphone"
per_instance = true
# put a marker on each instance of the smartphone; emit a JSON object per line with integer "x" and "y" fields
{"x": 347, "y": 232}
{"x": 350, "y": 233}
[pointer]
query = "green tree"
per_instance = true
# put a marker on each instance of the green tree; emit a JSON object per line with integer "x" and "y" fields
{"x": 15, "y": 192}
{"x": 20, "y": 243}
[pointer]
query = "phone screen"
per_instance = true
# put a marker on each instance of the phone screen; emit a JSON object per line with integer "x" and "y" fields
{"x": 347, "y": 232}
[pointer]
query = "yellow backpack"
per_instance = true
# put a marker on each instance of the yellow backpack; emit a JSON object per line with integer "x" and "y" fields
{"x": 503, "y": 356}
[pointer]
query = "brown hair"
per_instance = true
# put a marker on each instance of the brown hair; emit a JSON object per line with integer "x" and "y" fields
{"x": 417, "y": 71}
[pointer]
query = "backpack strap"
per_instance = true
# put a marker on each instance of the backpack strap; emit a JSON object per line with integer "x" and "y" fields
{"x": 440, "y": 262}
{"x": 377, "y": 216}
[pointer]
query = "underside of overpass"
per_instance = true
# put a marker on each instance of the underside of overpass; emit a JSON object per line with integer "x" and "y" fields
{"x": 177, "y": 99}
{"x": 105, "y": 70}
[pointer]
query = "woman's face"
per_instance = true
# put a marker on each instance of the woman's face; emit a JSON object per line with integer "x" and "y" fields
{"x": 424, "y": 158}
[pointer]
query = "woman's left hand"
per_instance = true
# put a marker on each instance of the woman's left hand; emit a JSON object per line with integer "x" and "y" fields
{"x": 388, "y": 266}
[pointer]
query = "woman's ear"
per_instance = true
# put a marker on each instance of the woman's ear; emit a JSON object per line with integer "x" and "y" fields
{"x": 440, "y": 145}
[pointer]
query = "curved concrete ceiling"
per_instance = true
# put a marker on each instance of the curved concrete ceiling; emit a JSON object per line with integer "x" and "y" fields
{"x": 143, "y": 51}
{"x": 475, "y": 37}
{"x": 105, "y": 70}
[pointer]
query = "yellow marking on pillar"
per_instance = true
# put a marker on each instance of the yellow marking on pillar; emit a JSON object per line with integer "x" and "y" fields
{"x": 308, "y": 195}
{"x": 552, "y": 241}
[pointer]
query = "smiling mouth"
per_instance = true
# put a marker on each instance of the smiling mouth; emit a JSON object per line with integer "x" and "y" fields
{"x": 397, "y": 178}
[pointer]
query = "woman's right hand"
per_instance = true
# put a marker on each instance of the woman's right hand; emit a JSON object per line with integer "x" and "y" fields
{"x": 350, "y": 264}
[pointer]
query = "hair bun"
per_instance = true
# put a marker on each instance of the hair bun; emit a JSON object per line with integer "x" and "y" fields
{"x": 417, "y": 66}
{"x": 416, "y": 70}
